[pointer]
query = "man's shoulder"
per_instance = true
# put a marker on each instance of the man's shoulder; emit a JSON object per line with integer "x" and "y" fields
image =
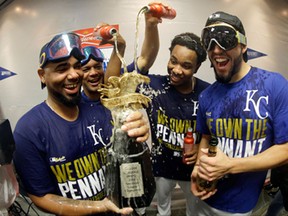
{"x": 269, "y": 80}
{"x": 265, "y": 73}
{"x": 35, "y": 114}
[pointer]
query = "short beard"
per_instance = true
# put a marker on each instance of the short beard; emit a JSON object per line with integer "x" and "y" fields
{"x": 69, "y": 102}
{"x": 72, "y": 102}
{"x": 234, "y": 70}
{"x": 224, "y": 79}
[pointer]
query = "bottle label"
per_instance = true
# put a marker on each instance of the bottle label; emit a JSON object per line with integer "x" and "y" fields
{"x": 131, "y": 180}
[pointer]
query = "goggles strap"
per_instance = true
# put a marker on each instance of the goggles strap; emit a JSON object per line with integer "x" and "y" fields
{"x": 241, "y": 38}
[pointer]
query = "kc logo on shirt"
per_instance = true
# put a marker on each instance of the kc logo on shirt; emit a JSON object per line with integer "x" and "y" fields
{"x": 254, "y": 103}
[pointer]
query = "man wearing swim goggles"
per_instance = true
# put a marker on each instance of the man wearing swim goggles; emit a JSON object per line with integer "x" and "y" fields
{"x": 224, "y": 35}
{"x": 92, "y": 66}
{"x": 232, "y": 109}
{"x": 60, "y": 48}
{"x": 62, "y": 132}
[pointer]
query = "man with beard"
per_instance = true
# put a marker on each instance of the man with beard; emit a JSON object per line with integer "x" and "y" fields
{"x": 247, "y": 110}
{"x": 61, "y": 144}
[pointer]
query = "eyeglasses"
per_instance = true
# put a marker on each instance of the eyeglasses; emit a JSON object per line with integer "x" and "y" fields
{"x": 223, "y": 35}
{"x": 92, "y": 52}
{"x": 61, "y": 46}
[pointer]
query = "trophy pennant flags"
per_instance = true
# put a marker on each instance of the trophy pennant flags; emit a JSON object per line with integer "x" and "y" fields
{"x": 4, "y": 73}
{"x": 252, "y": 54}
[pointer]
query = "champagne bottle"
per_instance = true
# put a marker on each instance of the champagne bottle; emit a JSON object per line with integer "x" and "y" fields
{"x": 204, "y": 184}
{"x": 188, "y": 143}
{"x": 129, "y": 177}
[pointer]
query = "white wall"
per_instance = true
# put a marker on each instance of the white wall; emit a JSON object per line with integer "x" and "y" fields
{"x": 25, "y": 25}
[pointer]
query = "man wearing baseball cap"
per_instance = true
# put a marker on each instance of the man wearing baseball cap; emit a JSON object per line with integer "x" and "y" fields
{"x": 247, "y": 110}
{"x": 61, "y": 144}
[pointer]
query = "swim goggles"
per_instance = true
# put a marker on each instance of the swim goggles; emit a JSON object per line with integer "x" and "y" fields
{"x": 92, "y": 52}
{"x": 60, "y": 47}
{"x": 224, "y": 35}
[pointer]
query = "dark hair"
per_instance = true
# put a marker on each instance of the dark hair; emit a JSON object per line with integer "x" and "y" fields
{"x": 192, "y": 42}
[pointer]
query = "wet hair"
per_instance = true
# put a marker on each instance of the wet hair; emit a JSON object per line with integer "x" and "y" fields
{"x": 192, "y": 42}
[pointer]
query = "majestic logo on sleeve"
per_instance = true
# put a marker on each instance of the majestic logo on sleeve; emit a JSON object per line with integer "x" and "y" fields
{"x": 255, "y": 103}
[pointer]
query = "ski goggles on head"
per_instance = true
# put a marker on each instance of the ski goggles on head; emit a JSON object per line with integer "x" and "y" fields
{"x": 92, "y": 52}
{"x": 60, "y": 47}
{"x": 224, "y": 35}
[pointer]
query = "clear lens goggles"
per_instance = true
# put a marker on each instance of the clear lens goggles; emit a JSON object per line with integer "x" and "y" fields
{"x": 61, "y": 46}
{"x": 225, "y": 36}
{"x": 92, "y": 52}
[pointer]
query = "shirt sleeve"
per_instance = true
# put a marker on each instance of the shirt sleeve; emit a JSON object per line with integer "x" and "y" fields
{"x": 30, "y": 162}
{"x": 280, "y": 107}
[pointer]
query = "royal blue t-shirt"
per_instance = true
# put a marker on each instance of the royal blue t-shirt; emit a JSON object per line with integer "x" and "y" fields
{"x": 248, "y": 117}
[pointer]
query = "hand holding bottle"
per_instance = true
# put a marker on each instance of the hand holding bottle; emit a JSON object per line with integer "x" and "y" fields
{"x": 210, "y": 169}
{"x": 136, "y": 125}
{"x": 216, "y": 167}
{"x": 190, "y": 157}
{"x": 189, "y": 148}
{"x": 203, "y": 183}
{"x": 103, "y": 31}
{"x": 194, "y": 187}
{"x": 152, "y": 20}
{"x": 121, "y": 43}
{"x": 160, "y": 10}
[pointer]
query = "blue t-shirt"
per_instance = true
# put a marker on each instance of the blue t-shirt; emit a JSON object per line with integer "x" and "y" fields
{"x": 248, "y": 117}
{"x": 61, "y": 157}
{"x": 170, "y": 114}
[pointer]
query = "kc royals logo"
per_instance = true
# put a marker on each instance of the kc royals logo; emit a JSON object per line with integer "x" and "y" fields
{"x": 250, "y": 101}
{"x": 97, "y": 137}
